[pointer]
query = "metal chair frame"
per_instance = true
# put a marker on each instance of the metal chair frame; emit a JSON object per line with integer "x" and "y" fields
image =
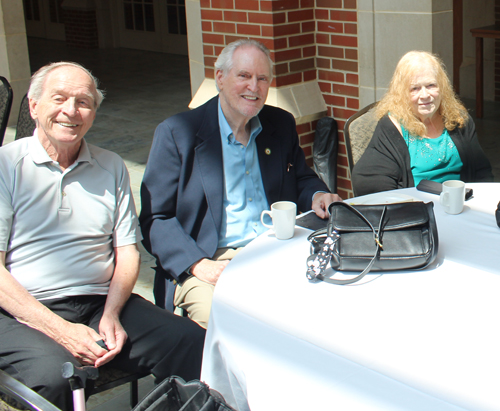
{"x": 35, "y": 402}
{"x": 24, "y": 395}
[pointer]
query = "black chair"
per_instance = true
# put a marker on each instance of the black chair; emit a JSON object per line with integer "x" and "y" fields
{"x": 358, "y": 131}
{"x": 16, "y": 396}
{"x": 111, "y": 377}
{"x": 25, "y": 124}
{"x": 325, "y": 151}
{"x": 6, "y": 97}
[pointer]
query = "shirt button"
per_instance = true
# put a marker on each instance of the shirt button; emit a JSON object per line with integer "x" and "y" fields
{"x": 248, "y": 172}
{"x": 250, "y": 199}
{"x": 64, "y": 194}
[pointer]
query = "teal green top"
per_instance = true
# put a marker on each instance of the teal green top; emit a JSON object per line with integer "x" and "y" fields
{"x": 435, "y": 159}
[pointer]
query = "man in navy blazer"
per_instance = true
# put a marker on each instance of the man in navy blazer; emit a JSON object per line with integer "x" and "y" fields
{"x": 187, "y": 202}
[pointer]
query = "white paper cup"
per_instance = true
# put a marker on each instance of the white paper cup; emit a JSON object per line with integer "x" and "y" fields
{"x": 453, "y": 196}
{"x": 283, "y": 214}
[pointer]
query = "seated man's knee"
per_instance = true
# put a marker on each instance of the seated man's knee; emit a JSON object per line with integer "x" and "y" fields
{"x": 195, "y": 297}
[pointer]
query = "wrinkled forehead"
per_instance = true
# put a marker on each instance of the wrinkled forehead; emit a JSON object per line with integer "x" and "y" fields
{"x": 70, "y": 79}
{"x": 249, "y": 57}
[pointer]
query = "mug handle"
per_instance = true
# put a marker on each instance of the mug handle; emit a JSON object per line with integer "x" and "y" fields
{"x": 262, "y": 218}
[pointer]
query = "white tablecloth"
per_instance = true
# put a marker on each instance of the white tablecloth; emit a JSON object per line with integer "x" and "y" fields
{"x": 412, "y": 340}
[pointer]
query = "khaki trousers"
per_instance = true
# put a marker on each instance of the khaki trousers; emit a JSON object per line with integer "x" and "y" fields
{"x": 195, "y": 296}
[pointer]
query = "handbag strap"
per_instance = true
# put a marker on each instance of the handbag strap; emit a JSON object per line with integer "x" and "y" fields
{"x": 317, "y": 262}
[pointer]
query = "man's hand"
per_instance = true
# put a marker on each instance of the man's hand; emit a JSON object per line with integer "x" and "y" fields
{"x": 208, "y": 270}
{"x": 114, "y": 335}
{"x": 321, "y": 201}
{"x": 80, "y": 341}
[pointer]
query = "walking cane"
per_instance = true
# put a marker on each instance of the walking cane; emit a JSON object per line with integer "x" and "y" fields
{"x": 77, "y": 377}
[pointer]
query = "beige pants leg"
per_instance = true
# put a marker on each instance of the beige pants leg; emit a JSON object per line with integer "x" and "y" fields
{"x": 195, "y": 296}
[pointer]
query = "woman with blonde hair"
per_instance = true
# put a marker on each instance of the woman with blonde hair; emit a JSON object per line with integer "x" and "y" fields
{"x": 424, "y": 132}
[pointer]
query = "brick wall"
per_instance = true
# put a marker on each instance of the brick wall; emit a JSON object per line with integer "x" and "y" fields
{"x": 337, "y": 63}
{"x": 308, "y": 40}
{"x": 81, "y": 29}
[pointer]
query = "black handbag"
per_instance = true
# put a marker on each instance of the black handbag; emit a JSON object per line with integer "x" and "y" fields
{"x": 368, "y": 238}
{"x": 175, "y": 394}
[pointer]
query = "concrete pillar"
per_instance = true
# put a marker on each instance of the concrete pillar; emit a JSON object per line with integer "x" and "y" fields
{"x": 14, "y": 59}
{"x": 195, "y": 45}
{"x": 387, "y": 29}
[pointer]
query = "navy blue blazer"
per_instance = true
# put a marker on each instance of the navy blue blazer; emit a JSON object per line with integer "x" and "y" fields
{"x": 182, "y": 189}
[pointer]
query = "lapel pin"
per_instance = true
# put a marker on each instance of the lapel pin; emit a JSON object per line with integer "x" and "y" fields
{"x": 267, "y": 151}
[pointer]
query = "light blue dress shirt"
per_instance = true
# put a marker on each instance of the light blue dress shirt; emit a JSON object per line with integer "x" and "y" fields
{"x": 244, "y": 195}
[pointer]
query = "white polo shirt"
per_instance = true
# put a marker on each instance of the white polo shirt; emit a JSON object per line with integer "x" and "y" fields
{"x": 59, "y": 227}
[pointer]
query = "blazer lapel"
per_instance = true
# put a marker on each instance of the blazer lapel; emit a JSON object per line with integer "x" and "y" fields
{"x": 271, "y": 165}
{"x": 209, "y": 158}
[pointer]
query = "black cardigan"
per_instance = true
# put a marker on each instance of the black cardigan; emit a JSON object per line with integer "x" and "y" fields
{"x": 385, "y": 165}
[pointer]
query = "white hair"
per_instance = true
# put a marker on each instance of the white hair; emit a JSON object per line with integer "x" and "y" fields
{"x": 38, "y": 80}
{"x": 224, "y": 62}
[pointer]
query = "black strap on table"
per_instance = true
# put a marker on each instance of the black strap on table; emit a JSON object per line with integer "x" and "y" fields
{"x": 317, "y": 262}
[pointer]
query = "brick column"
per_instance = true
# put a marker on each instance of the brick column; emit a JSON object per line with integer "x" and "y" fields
{"x": 313, "y": 45}
{"x": 80, "y": 24}
{"x": 337, "y": 63}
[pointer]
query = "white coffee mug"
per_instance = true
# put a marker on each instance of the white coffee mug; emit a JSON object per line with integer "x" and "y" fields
{"x": 453, "y": 196}
{"x": 283, "y": 214}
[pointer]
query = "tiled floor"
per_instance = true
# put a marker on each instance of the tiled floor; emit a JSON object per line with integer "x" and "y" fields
{"x": 142, "y": 89}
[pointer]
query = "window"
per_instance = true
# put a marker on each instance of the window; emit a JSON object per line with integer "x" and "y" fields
{"x": 32, "y": 10}
{"x": 176, "y": 12}
{"x": 139, "y": 15}
{"x": 56, "y": 11}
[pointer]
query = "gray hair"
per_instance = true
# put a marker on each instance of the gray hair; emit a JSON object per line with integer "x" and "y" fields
{"x": 38, "y": 80}
{"x": 224, "y": 62}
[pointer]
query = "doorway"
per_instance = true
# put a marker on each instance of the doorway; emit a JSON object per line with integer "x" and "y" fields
{"x": 153, "y": 25}
{"x": 44, "y": 18}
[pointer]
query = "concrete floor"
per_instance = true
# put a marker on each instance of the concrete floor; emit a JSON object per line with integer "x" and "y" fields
{"x": 142, "y": 89}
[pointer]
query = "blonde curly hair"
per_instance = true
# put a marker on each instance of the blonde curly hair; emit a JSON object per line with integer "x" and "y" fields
{"x": 397, "y": 99}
